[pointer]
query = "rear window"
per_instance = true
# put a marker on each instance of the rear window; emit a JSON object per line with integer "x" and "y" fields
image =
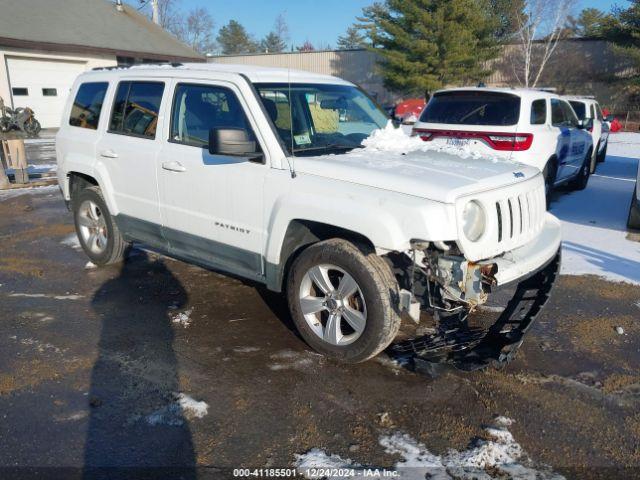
{"x": 86, "y": 108}
{"x": 136, "y": 107}
{"x": 472, "y": 108}
{"x": 580, "y": 109}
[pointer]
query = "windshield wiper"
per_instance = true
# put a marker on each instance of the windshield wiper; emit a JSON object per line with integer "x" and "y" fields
{"x": 331, "y": 146}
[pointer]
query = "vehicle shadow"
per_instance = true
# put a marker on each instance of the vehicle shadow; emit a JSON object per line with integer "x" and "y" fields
{"x": 135, "y": 421}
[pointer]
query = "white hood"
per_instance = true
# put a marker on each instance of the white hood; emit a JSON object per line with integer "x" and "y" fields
{"x": 393, "y": 161}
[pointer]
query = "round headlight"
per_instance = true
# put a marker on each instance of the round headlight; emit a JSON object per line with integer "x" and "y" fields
{"x": 473, "y": 220}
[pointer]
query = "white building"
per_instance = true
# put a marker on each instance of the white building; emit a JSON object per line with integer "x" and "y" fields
{"x": 45, "y": 44}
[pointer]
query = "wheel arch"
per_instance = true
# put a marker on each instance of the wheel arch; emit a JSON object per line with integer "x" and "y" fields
{"x": 299, "y": 235}
{"x": 77, "y": 180}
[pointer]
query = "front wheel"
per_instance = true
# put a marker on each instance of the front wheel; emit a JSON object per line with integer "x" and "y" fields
{"x": 342, "y": 301}
{"x": 549, "y": 173}
{"x": 603, "y": 155}
{"x": 98, "y": 233}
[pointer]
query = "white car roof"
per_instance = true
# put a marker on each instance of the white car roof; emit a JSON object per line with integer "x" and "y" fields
{"x": 255, "y": 73}
{"x": 528, "y": 93}
{"x": 578, "y": 98}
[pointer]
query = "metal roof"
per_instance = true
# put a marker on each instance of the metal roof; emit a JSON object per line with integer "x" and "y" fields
{"x": 87, "y": 25}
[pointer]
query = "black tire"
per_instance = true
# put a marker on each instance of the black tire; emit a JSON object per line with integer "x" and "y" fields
{"x": 549, "y": 173}
{"x": 634, "y": 212}
{"x": 32, "y": 127}
{"x": 115, "y": 246}
{"x": 582, "y": 180}
{"x": 379, "y": 289}
{"x": 603, "y": 155}
{"x": 593, "y": 162}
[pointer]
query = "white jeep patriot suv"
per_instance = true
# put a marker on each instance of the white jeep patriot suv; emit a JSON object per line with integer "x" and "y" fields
{"x": 275, "y": 176}
{"x": 530, "y": 126}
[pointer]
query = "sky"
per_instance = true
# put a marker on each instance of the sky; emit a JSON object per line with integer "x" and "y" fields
{"x": 319, "y": 21}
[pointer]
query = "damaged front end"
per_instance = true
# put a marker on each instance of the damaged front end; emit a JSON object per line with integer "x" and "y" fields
{"x": 447, "y": 281}
{"x": 437, "y": 279}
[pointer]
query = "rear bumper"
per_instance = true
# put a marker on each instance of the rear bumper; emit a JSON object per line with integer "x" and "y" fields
{"x": 530, "y": 258}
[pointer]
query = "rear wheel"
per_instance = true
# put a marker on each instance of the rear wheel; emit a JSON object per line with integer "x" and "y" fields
{"x": 581, "y": 181}
{"x": 343, "y": 302}
{"x": 594, "y": 159}
{"x": 98, "y": 233}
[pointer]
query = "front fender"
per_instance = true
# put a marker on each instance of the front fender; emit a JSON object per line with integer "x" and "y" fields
{"x": 389, "y": 220}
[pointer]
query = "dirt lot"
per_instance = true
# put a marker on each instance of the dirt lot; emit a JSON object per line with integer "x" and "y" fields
{"x": 107, "y": 367}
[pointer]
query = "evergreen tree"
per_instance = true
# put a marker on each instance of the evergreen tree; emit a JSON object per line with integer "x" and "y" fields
{"x": 623, "y": 29}
{"x": 589, "y": 23}
{"x": 276, "y": 40}
{"x": 352, "y": 39}
{"x": 505, "y": 14}
{"x": 427, "y": 44}
{"x": 234, "y": 39}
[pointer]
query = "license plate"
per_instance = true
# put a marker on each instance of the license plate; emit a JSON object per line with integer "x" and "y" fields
{"x": 458, "y": 142}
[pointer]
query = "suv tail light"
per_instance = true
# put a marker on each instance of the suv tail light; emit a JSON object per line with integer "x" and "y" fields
{"x": 498, "y": 141}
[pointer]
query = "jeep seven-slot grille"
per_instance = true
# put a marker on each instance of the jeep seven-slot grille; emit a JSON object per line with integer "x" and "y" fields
{"x": 520, "y": 216}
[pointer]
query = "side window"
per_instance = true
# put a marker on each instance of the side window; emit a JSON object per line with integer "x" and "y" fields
{"x": 200, "y": 108}
{"x": 539, "y": 112}
{"x": 86, "y": 108}
{"x": 136, "y": 107}
{"x": 557, "y": 114}
{"x": 592, "y": 112}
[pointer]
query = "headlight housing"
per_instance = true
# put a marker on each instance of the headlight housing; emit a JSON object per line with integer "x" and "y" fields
{"x": 474, "y": 220}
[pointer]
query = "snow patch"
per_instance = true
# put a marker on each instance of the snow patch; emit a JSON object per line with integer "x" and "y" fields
{"x": 71, "y": 241}
{"x": 47, "y": 295}
{"x": 16, "y": 192}
{"x": 174, "y": 414}
{"x": 290, "y": 360}
{"x": 246, "y": 349}
{"x": 182, "y": 318}
{"x": 90, "y": 266}
{"x": 595, "y": 220}
{"x": 499, "y": 457}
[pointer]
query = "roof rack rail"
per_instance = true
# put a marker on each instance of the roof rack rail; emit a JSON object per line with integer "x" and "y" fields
{"x": 117, "y": 67}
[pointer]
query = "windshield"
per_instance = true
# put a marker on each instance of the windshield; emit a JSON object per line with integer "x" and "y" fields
{"x": 314, "y": 119}
{"x": 472, "y": 108}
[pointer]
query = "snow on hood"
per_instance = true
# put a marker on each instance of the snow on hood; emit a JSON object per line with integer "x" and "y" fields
{"x": 392, "y": 160}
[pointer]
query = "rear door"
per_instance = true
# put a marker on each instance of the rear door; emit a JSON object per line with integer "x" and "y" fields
{"x": 580, "y": 140}
{"x": 127, "y": 152}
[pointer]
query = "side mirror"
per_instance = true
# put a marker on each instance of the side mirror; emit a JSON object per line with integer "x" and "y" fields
{"x": 231, "y": 141}
{"x": 608, "y": 118}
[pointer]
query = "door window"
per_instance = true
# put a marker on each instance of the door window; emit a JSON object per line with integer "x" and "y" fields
{"x": 197, "y": 109}
{"x": 136, "y": 107}
{"x": 579, "y": 108}
{"x": 86, "y": 108}
{"x": 539, "y": 112}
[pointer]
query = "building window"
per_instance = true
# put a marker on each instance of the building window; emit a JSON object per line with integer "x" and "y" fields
{"x": 49, "y": 92}
{"x": 85, "y": 112}
{"x": 20, "y": 92}
{"x": 136, "y": 107}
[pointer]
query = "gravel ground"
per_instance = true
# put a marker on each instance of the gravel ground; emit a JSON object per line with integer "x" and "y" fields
{"x": 156, "y": 363}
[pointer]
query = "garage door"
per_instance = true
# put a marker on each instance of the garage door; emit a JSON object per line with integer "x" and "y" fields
{"x": 42, "y": 85}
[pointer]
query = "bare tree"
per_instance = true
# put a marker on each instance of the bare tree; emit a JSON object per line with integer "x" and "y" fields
{"x": 540, "y": 26}
{"x": 169, "y": 13}
{"x": 196, "y": 30}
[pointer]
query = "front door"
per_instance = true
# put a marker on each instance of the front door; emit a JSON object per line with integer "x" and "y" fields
{"x": 211, "y": 205}
{"x": 127, "y": 151}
